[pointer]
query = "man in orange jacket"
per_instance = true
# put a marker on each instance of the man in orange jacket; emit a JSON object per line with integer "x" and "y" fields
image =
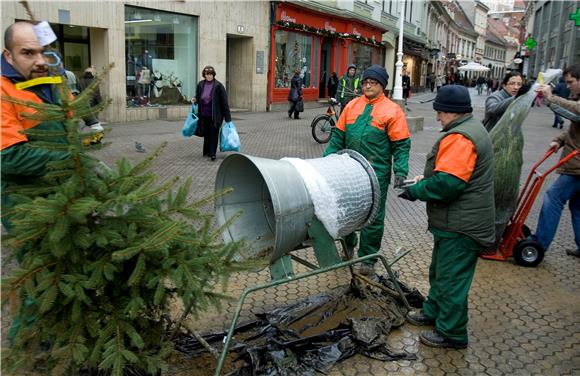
{"x": 376, "y": 128}
{"x": 24, "y": 77}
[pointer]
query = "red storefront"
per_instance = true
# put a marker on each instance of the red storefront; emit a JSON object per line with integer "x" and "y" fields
{"x": 317, "y": 44}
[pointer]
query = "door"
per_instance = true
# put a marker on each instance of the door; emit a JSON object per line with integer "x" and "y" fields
{"x": 324, "y": 74}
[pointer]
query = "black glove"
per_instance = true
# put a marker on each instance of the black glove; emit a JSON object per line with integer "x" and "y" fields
{"x": 524, "y": 89}
{"x": 407, "y": 195}
{"x": 399, "y": 181}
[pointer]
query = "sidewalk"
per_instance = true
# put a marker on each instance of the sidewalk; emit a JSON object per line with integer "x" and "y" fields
{"x": 523, "y": 321}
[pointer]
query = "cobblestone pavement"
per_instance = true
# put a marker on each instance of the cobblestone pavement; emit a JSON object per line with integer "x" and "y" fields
{"x": 523, "y": 321}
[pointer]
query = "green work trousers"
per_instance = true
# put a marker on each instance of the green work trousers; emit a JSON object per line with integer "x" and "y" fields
{"x": 450, "y": 275}
{"x": 372, "y": 235}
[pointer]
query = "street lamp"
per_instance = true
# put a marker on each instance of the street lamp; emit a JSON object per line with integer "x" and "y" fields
{"x": 398, "y": 89}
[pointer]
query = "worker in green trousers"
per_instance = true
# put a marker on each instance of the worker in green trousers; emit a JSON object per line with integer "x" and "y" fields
{"x": 458, "y": 187}
{"x": 375, "y": 127}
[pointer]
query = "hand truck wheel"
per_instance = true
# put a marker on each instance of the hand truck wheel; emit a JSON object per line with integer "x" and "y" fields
{"x": 528, "y": 253}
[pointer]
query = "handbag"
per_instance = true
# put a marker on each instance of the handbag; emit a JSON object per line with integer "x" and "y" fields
{"x": 300, "y": 106}
{"x": 190, "y": 125}
{"x": 229, "y": 138}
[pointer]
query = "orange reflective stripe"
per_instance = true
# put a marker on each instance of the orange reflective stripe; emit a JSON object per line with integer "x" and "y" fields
{"x": 456, "y": 156}
{"x": 11, "y": 119}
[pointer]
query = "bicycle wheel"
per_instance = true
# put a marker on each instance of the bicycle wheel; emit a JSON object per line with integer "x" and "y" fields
{"x": 322, "y": 129}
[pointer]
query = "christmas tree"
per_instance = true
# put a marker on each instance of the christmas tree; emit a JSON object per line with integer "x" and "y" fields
{"x": 101, "y": 252}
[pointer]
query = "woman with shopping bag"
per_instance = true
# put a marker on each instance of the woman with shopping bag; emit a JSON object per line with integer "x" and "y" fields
{"x": 213, "y": 109}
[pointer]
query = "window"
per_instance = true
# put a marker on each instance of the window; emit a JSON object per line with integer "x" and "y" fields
{"x": 293, "y": 51}
{"x": 161, "y": 55}
{"x": 362, "y": 56}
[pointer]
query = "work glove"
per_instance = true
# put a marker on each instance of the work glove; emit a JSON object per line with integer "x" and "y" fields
{"x": 524, "y": 89}
{"x": 407, "y": 195}
{"x": 399, "y": 181}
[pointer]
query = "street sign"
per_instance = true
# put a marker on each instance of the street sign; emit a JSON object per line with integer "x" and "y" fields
{"x": 518, "y": 60}
{"x": 575, "y": 17}
{"x": 530, "y": 43}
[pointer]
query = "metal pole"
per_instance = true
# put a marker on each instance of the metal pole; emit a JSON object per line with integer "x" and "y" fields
{"x": 398, "y": 89}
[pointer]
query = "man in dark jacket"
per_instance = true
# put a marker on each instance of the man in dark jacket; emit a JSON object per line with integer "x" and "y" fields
{"x": 562, "y": 91}
{"x": 349, "y": 87}
{"x": 458, "y": 187}
{"x": 567, "y": 187}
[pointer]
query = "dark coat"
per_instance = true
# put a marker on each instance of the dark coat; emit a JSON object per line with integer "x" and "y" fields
{"x": 332, "y": 85}
{"x": 295, "y": 89}
{"x": 219, "y": 102}
{"x": 84, "y": 83}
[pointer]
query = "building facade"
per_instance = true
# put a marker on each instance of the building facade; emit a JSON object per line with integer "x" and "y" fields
{"x": 452, "y": 37}
{"x": 494, "y": 55}
{"x": 557, "y": 37}
{"x": 159, "y": 49}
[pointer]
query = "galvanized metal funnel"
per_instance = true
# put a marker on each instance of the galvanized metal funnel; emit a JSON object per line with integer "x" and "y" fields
{"x": 279, "y": 198}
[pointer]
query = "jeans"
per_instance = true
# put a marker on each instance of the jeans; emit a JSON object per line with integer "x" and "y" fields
{"x": 565, "y": 188}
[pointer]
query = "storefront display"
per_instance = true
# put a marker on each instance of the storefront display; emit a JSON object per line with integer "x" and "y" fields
{"x": 161, "y": 56}
{"x": 293, "y": 51}
{"x": 317, "y": 44}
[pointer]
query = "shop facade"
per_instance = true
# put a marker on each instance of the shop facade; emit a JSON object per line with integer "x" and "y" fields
{"x": 159, "y": 50}
{"x": 316, "y": 45}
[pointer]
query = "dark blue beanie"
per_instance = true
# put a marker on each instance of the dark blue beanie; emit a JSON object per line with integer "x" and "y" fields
{"x": 376, "y": 72}
{"x": 453, "y": 98}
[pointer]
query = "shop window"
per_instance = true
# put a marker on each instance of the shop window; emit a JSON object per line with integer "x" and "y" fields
{"x": 293, "y": 51}
{"x": 362, "y": 56}
{"x": 161, "y": 56}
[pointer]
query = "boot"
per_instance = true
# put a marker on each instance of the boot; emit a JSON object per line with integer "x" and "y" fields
{"x": 432, "y": 338}
{"x": 418, "y": 318}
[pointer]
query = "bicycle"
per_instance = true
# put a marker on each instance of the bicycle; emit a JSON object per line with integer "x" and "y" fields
{"x": 322, "y": 125}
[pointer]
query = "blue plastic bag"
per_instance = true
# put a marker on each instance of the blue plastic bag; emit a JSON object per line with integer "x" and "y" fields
{"x": 190, "y": 124}
{"x": 229, "y": 138}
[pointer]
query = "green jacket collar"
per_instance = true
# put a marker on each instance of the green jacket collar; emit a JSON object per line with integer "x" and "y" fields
{"x": 457, "y": 122}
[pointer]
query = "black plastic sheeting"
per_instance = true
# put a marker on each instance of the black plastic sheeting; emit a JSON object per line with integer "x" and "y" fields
{"x": 314, "y": 334}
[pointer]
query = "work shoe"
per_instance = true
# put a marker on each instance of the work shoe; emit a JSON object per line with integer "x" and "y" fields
{"x": 432, "y": 338}
{"x": 97, "y": 127}
{"x": 366, "y": 270}
{"x": 418, "y": 318}
{"x": 573, "y": 252}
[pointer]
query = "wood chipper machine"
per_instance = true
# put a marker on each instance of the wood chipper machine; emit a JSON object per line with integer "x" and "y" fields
{"x": 290, "y": 204}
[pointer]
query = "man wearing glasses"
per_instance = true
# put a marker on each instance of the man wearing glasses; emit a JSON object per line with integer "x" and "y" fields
{"x": 375, "y": 127}
{"x": 497, "y": 103}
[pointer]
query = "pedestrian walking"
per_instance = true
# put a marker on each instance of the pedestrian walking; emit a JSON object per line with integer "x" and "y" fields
{"x": 479, "y": 83}
{"x": 458, "y": 187}
{"x": 439, "y": 82}
{"x": 406, "y": 87}
{"x": 332, "y": 85}
{"x": 295, "y": 95}
{"x": 212, "y": 99}
{"x": 376, "y": 127}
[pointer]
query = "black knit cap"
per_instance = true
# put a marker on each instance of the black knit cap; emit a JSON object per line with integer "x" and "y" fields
{"x": 376, "y": 72}
{"x": 453, "y": 98}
